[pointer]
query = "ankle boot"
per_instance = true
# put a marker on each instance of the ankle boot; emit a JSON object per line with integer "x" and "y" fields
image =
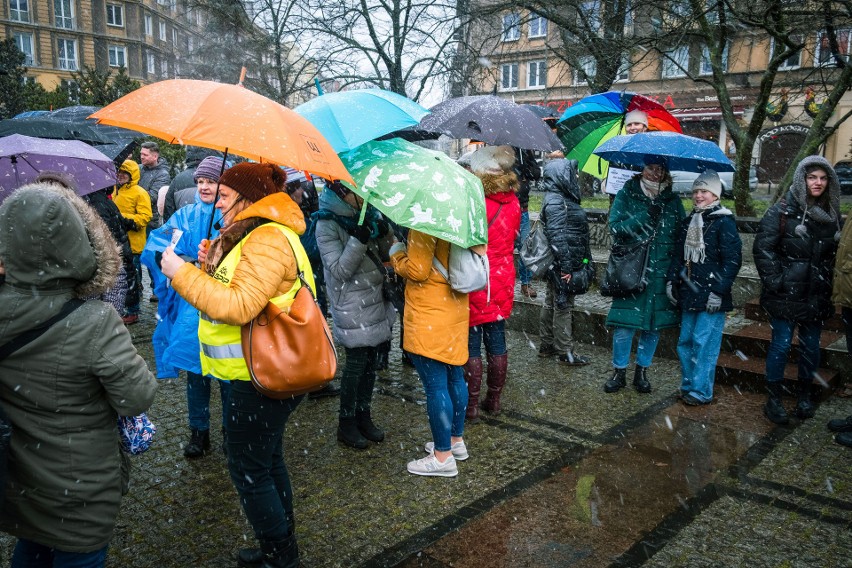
{"x": 773, "y": 409}
{"x": 640, "y": 380}
{"x": 281, "y": 553}
{"x": 250, "y": 558}
{"x": 805, "y": 408}
{"x": 347, "y": 432}
{"x": 617, "y": 382}
{"x": 497, "y": 367}
{"x": 365, "y": 425}
{"x": 199, "y": 443}
{"x": 473, "y": 378}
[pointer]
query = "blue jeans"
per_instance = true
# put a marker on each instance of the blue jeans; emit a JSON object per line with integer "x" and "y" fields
{"x": 622, "y": 342}
{"x": 198, "y": 400}
{"x": 256, "y": 460}
{"x": 495, "y": 339}
{"x": 29, "y": 554}
{"x": 524, "y": 274}
{"x": 446, "y": 399}
{"x": 779, "y": 347}
{"x": 698, "y": 350}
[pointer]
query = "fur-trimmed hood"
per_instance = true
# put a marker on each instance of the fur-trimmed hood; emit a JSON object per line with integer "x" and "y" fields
{"x": 50, "y": 239}
{"x": 499, "y": 183}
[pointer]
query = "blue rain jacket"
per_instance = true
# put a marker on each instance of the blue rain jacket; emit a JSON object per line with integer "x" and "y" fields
{"x": 175, "y": 338}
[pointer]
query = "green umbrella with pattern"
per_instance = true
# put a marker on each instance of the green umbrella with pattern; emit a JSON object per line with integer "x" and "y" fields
{"x": 420, "y": 189}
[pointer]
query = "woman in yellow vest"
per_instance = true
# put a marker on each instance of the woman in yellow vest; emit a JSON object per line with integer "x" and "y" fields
{"x": 253, "y": 261}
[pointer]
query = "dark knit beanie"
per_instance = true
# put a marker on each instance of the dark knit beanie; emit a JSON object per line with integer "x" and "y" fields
{"x": 209, "y": 168}
{"x": 254, "y": 181}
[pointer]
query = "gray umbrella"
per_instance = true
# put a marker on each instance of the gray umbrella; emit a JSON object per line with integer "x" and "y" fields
{"x": 492, "y": 120}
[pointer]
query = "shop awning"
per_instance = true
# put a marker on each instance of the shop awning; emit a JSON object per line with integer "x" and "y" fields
{"x": 695, "y": 114}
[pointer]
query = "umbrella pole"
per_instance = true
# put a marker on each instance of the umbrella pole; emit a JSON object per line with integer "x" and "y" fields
{"x": 216, "y": 198}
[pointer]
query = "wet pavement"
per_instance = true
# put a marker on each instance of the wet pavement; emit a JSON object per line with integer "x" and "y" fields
{"x": 566, "y": 476}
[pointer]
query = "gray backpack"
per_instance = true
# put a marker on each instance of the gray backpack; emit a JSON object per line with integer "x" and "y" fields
{"x": 536, "y": 252}
{"x": 468, "y": 271}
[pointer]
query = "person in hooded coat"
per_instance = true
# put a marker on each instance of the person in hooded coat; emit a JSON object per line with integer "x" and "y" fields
{"x": 645, "y": 209}
{"x": 794, "y": 252}
{"x": 134, "y": 204}
{"x": 567, "y": 230}
{"x": 175, "y": 338}
{"x": 361, "y": 318}
{"x": 490, "y": 308}
{"x": 65, "y": 389}
{"x": 708, "y": 256}
{"x": 182, "y": 189}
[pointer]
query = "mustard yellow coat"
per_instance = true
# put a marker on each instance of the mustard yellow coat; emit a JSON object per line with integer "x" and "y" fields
{"x": 133, "y": 203}
{"x": 266, "y": 269}
{"x": 436, "y": 317}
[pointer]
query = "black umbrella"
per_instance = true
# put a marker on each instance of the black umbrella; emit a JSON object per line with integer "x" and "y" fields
{"x": 80, "y": 115}
{"x": 41, "y": 127}
{"x": 492, "y": 120}
{"x": 543, "y": 112}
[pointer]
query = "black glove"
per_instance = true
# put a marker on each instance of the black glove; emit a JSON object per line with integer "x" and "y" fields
{"x": 360, "y": 232}
{"x": 128, "y": 224}
{"x": 655, "y": 210}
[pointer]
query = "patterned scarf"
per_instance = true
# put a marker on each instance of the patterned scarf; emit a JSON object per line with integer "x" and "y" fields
{"x": 228, "y": 238}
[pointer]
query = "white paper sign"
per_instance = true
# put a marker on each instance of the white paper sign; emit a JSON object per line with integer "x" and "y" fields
{"x": 616, "y": 178}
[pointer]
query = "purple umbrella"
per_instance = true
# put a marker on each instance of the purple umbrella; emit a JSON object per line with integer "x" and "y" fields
{"x": 23, "y": 158}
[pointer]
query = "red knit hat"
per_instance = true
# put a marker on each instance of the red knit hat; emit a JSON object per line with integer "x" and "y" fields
{"x": 254, "y": 181}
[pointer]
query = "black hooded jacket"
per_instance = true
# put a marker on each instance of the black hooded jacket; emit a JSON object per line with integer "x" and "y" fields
{"x": 565, "y": 221}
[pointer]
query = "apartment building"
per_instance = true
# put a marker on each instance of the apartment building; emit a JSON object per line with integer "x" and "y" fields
{"x": 524, "y": 68}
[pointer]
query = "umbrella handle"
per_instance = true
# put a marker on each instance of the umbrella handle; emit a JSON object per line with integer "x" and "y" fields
{"x": 242, "y": 76}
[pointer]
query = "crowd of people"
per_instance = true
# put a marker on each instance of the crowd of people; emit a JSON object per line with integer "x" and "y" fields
{"x": 220, "y": 241}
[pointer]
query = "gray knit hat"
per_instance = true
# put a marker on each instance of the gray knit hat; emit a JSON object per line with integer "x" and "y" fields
{"x": 209, "y": 168}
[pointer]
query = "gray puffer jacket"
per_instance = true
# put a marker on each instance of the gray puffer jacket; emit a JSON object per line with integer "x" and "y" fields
{"x": 64, "y": 390}
{"x": 353, "y": 282}
{"x": 152, "y": 179}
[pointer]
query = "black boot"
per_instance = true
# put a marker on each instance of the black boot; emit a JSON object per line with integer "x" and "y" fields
{"x": 805, "y": 408}
{"x": 250, "y": 558}
{"x": 347, "y": 432}
{"x": 199, "y": 443}
{"x": 773, "y": 409}
{"x": 617, "y": 382}
{"x": 280, "y": 554}
{"x": 367, "y": 428}
{"x": 640, "y": 380}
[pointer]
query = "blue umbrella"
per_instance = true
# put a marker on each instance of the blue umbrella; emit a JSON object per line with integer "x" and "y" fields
{"x": 682, "y": 152}
{"x": 348, "y": 119}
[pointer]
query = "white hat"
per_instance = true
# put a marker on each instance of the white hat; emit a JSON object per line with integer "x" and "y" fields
{"x": 708, "y": 181}
{"x": 636, "y": 116}
{"x": 494, "y": 160}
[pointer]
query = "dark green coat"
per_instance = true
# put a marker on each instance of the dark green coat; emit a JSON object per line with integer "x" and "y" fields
{"x": 629, "y": 222}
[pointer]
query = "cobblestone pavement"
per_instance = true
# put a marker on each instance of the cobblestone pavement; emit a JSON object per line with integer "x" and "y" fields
{"x": 566, "y": 476}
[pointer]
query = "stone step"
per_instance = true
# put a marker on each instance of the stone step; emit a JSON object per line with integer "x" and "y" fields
{"x": 753, "y": 340}
{"x": 749, "y": 373}
{"x": 754, "y": 311}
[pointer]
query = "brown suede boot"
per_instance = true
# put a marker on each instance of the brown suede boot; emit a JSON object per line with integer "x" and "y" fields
{"x": 473, "y": 378}
{"x": 497, "y": 365}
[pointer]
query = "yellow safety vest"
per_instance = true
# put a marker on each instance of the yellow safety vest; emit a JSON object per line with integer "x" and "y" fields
{"x": 221, "y": 348}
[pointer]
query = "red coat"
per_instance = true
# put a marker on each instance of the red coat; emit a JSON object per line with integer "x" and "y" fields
{"x": 501, "y": 246}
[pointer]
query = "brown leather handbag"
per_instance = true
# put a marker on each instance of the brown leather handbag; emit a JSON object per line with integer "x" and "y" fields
{"x": 289, "y": 353}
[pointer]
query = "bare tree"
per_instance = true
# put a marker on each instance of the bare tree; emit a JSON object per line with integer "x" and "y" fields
{"x": 405, "y": 46}
{"x": 726, "y": 30}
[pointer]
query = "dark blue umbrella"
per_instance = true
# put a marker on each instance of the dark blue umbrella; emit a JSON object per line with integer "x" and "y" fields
{"x": 681, "y": 152}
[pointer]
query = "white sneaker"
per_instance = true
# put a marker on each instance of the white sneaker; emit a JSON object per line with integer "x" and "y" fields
{"x": 459, "y": 450}
{"x": 430, "y": 466}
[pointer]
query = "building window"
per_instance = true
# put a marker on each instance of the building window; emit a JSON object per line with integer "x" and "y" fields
{"x": 589, "y": 67}
{"x": 509, "y": 76}
{"x": 174, "y": 37}
{"x": 115, "y": 15}
{"x": 25, "y": 44}
{"x": 824, "y": 57}
{"x": 149, "y": 25}
{"x": 512, "y": 26}
{"x": 536, "y": 74}
{"x": 590, "y": 15}
{"x": 63, "y": 11}
{"x": 117, "y": 56}
{"x": 190, "y": 44}
{"x": 675, "y": 63}
{"x": 795, "y": 60}
{"x": 538, "y": 26}
{"x": 706, "y": 67}
{"x": 67, "y": 50}
{"x": 19, "y": 10}
{"x": 151, "y": 63}
{"x": 162, "y": 31}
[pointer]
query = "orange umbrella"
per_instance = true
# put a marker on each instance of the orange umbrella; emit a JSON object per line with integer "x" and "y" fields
{"x": 225, "y": 117}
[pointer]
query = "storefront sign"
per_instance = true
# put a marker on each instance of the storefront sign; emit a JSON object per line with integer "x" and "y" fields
{"x": 783, "y": 129}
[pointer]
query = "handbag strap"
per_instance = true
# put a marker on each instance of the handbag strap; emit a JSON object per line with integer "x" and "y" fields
{"x": 376, "y": 260}
{"x": 299, "y": 272}
{"x": 28, "y": 336}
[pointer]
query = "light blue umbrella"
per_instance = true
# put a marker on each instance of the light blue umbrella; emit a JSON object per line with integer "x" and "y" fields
{"x": 348, "y": 119}
{"x": 681, "y": 152}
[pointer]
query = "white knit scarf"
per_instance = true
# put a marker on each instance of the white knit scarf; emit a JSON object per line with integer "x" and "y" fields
{"x": 693, "y": 246}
